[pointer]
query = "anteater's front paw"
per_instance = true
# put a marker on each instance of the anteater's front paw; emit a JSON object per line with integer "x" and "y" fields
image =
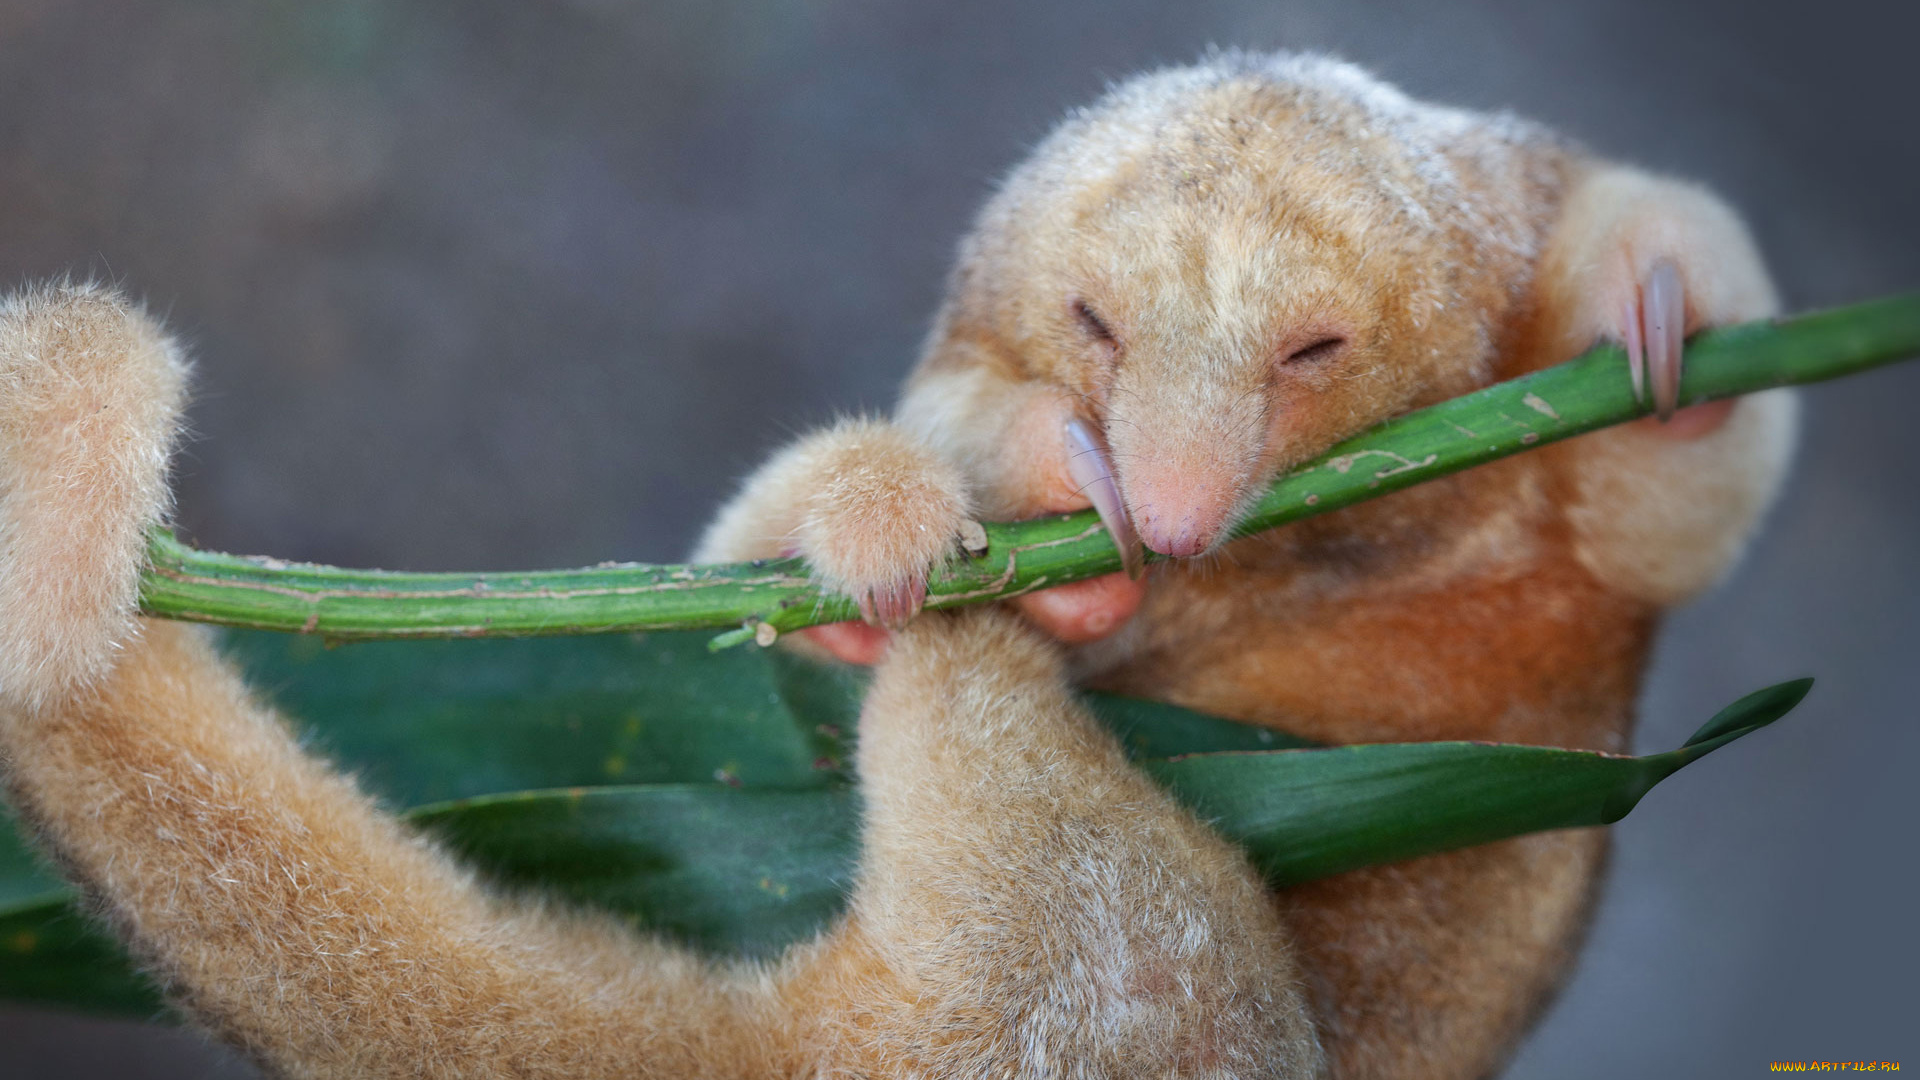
{"x": 1658, "y": 261}
{"x": 90, "y": 395}
{"x": 880, "y": 513}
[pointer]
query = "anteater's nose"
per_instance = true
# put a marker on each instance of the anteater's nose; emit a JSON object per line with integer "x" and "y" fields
{"x": 1178, "y": 511}
{"x": 1178, "y": 538}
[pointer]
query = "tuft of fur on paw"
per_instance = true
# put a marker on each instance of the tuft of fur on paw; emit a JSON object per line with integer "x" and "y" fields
{"x": 91, "y": 390}
{"x": 870, "y": 507}
{"x": 880, "y": 513}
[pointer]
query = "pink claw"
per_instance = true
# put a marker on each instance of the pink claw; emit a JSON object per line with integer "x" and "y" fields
{"x": 1654, "y": 325}
{"x": 1663, "y": 306}
{"x": 909, "y": 597}
{"x": 1636, "y": 346}
{"x": 893, "y": 605}
{"x": 1092, "y": 469}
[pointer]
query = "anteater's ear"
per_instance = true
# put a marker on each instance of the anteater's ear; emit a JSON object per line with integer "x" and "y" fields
{"x": 91, "y": 390}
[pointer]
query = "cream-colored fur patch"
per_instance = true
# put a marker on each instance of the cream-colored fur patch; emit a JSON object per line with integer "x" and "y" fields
{"x": 91, "y": 391}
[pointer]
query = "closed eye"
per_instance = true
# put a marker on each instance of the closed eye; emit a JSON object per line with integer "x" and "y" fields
{"x": 1318, "y": 352}
{"x": 1095, "y": 326}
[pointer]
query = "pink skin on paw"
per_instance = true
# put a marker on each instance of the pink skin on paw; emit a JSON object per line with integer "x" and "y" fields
{"x": 1076, "y": 614}
{"x": 851, "y": 642}
{"x": 1692, "y": 422}
{"x": 1086, "y": 610}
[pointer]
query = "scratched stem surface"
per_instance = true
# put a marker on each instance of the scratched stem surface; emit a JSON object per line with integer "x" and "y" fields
{"x": 1589, "y": 392}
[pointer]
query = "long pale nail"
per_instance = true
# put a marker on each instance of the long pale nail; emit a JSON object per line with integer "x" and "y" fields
{"x": 1665, "y": 309}
{"x": 1092, "y": 469}
{"x": 1636, "y": 350}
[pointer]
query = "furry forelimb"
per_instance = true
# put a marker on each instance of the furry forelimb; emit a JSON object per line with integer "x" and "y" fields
{"x": 1026, "y": 903}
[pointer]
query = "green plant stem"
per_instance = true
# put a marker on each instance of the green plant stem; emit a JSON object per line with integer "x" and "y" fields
{"x": 1589, "y": 392}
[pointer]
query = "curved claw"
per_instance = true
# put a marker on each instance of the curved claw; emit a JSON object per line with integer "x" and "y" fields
{"x": 892, "y": 606}
{"x": 1092, "y": 469}
{"x": 1636, "y": 343}
{"x": 1663, "y": 311}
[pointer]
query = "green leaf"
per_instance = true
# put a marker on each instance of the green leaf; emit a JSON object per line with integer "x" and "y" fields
{"x": 729, "y": 871}
{"x": 51, "y": 955}
{"x": 432, "y": 721}
{"x": 1756, "y": 710}
{"x": 23, "y": 879}
{"x": 720, "y": 867}
{"x": 586, "y": 767}
{"x": 1155, "y": 729}
{"x": 1342, "y": 808}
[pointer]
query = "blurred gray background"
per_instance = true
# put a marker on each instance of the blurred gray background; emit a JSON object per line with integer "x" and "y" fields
{"x": 477, "y": 284}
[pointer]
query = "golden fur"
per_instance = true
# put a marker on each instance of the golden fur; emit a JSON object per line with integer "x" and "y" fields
{"x": 1026, "y": 903}
{"x": 1218, "y": 219}
{"x": 1225, "y": 268}
{"x": 77, "y": 418}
